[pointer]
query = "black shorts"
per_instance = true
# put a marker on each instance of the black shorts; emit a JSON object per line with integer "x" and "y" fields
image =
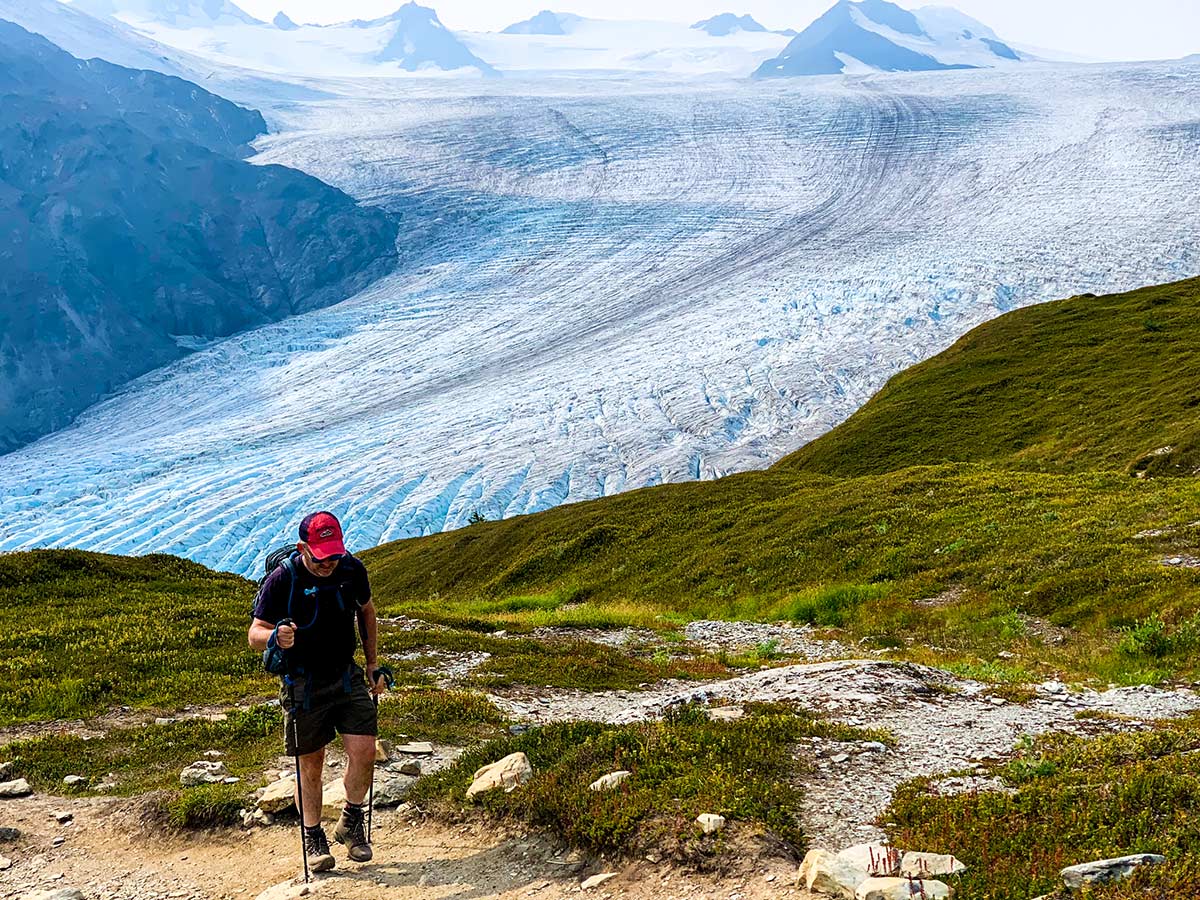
{"x": 330, "y": 711}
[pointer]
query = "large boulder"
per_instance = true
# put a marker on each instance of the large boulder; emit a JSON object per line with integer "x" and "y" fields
{"x": 508, "y": 773}
{"x": 823, "y": 873}
{"x": 391, "y": 788}
{"x": 930, "y": 865}
{"x": 1103, "y": 870}
{"x": 278, "y": 796}
{"x": 879, "y": 860}
{"x": 902, "y": 889}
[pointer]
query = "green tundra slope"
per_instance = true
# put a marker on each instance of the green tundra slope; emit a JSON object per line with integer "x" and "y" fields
{"x": 981, "y": 501}
{"x": 1089, "y": 383}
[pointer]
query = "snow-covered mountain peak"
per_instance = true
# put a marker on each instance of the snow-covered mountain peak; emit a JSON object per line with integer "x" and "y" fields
{"x": 171, "y": 13}
{"x": 889, "y": 15}
{"x": 421, "y": 41}
{"x": 944, "y": 21}
{"x": 87, "y": 36}
{"x": 283, "y": 22}
{"x": 858, "y": 36}
{"x": 726, "y": 24}
{"x": 546, "y": 22}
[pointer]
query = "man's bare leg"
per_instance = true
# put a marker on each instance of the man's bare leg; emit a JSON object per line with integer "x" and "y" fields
{"x": 360, "y": 766}
{"x": 312, "y": 766}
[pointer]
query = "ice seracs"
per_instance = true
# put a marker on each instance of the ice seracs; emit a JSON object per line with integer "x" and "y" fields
{"x": 605, "y": 286}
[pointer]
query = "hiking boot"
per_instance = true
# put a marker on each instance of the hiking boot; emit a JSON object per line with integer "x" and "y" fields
{"x": 352, "y": 831}
{"x": 317, "y": 847}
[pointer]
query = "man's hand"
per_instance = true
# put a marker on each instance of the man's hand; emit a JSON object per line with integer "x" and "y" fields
{"x": 379, "y": 687}
{"x": 383, "y": 679}
{"x": 285, "y": 637}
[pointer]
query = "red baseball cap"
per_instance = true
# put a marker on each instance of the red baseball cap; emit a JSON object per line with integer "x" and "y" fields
{"x": 323, "y": 534}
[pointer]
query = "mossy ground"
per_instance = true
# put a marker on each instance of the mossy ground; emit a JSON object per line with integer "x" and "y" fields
{"x": 1076, "y": 800}
{"x": 867, "y": 555}
{"x": 681, "y": 767}
{"x": 81, "y": 633}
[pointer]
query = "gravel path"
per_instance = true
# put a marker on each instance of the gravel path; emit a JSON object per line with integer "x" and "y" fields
{"x": 941, "y": 724}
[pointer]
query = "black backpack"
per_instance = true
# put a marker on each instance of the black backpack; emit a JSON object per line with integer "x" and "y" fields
{"x": 274, "y": 658}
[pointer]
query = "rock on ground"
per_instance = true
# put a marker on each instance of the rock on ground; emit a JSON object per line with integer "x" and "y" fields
{"x": 203, "y": 772}
{"x": 597, "y": 880}
{"x": 18, "y": 788}
{"x": 902, "y": 889}
{"x": 1104, "y": 870}
{"x": 508, "y": 773}
{"x": 289, "y": 890}
{"x": 609, "y": 781}
{"x": 878, "y": 860}
{"x": 930, "y": 865}
{"x": 823, "y": 873}
{"x": 391, "y": 788}
{"x": 278, "y": 796}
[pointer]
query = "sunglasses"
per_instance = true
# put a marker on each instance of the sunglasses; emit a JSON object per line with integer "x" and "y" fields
{"x": 328, "y": 560}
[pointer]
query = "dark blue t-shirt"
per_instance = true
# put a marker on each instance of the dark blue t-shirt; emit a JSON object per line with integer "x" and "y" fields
{"x": 324, "y": 610}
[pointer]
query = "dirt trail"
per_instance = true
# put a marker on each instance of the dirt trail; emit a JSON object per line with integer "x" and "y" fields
{"x": 940, "y": 724}
{"x": 414, "y": 860}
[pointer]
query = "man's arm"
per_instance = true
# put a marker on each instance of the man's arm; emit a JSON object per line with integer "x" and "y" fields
{"x": 368, "y": 629}
{"x": 267, "y": 607}
{"x": 260, "y": 633}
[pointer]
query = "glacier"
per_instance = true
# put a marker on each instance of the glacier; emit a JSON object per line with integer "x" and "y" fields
{"x": 610, "y": 283}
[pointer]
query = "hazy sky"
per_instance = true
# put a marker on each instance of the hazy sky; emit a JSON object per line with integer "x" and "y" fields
{"x": 1101, "y": 29}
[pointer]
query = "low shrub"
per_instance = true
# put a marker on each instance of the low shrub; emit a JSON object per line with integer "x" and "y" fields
{"x": 1076, "y": 800}
{"x": 682, "y": 766}
{"x": 148, "y": 757}
{"x": 450, "y": 717}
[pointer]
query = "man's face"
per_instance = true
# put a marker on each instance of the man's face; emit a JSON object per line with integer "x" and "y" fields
{"x": 323, "y": 568}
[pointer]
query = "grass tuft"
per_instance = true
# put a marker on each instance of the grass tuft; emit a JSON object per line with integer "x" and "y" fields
{"x": 206, "y": 806}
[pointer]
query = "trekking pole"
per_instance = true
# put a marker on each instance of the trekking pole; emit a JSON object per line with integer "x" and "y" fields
{"x": 299, "y": 782}
{"x": 389, "y": 680}
{"x": 296, "y": 745}
{"x": 371, "y": 793}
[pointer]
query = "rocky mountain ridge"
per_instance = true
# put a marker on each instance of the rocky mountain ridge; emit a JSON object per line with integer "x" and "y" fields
{"x": 135, "y": 232}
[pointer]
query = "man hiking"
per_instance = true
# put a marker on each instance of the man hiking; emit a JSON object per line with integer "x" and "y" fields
{"x": 320, "y": 594}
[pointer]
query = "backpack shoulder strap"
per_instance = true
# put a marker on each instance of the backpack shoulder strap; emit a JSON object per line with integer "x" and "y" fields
{"x": 289, "y": 564}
